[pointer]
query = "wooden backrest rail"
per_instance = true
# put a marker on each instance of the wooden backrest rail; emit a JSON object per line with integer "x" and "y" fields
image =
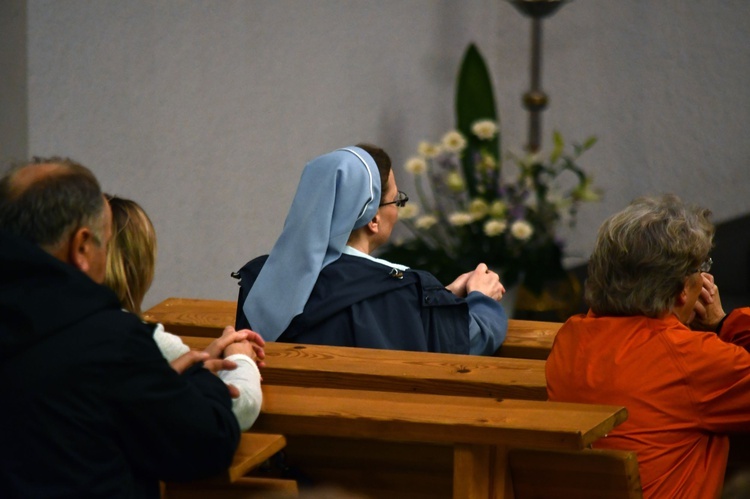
{"x": 398, "y": 371}
{"x": 199, "y": 317}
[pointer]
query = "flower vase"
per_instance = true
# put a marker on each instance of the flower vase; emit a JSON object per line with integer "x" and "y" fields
{"x": 558, "y": 300}
{"x": 508, "y": 301}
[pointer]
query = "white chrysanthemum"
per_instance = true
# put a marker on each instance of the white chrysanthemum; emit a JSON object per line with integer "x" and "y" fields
{"x": 455, "y": 181}
{"x": 460, "y": 218}
{"x": 425, "y": 222}
{"x": 498, "y": 209}
{"x": 416, "y": 166}
{"x": 521, "y": 230}
{"x": 494, "y": 228}
{"x": 453, "y": 141}
{"x": 409, "y": 211}
{"x": 428, "y": 149}
{"x": 478, "y": 208}
{"x": 484, "y": 129}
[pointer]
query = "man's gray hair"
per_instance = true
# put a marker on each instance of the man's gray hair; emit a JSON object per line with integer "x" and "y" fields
{"x": 50, "y": 208}
{"x": 643, "y": 255}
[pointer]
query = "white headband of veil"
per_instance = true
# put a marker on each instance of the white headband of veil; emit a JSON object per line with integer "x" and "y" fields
{"x": 337, "y": 193}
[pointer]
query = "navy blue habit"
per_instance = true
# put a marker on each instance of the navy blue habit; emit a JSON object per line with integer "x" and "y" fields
{"x": 361, "y": 303}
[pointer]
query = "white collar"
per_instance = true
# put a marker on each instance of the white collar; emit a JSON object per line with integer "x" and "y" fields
{"x": 355, "y": 252}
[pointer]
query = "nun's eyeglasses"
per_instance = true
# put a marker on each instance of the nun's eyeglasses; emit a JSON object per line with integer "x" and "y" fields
{"x": 401, "y": 200}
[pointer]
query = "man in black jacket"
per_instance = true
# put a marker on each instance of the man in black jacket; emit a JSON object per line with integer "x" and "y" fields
{"x": 90, "y": 408}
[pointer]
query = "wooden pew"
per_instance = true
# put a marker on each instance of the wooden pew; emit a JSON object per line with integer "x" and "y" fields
{"x": 417, "y": 469}
{"x": 199, "y": 317}
{"x": 461, "y": 443}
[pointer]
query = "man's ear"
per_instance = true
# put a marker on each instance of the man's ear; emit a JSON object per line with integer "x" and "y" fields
{"x": 79, "y": 251}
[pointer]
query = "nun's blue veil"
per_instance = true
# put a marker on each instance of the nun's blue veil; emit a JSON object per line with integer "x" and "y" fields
{"x": 337, "y": 193}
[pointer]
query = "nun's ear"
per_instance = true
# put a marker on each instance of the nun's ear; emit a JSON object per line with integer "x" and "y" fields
{"x": 374, "y": 224}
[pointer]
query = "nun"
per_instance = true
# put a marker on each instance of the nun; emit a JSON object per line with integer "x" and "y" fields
{"x": 320, "y": 285}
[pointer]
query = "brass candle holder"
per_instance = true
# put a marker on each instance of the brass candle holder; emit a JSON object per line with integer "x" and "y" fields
{"x": 535, "y": 100}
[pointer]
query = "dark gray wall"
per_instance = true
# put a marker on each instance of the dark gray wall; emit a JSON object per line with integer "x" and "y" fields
{"x": 14, "y": 119}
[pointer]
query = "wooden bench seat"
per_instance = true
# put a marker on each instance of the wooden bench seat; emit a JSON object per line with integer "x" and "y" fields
{"x": 199, "y": 317}
{"x": 477, "y": 432}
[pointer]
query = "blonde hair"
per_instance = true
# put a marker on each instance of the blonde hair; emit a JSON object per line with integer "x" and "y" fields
{"x": 132, "y": 253}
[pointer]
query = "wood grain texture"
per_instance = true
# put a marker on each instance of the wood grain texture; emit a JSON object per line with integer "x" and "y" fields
{"x": 398, "y": 371}
{"x": 253, "y": 450}
{"x": 434, "y": 418}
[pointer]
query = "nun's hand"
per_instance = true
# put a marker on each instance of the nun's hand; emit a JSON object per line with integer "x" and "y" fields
{"x": 486, "y": 282}
{"x": 458, "y": 287}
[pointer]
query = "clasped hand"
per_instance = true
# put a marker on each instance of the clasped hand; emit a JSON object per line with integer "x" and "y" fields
{"x": 480, "y": 279}
{"x": 229, "y": 343}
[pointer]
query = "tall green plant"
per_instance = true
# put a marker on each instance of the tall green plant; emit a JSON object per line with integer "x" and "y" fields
{"x": 467, "y": 210}
{"x": 475, "y": 101}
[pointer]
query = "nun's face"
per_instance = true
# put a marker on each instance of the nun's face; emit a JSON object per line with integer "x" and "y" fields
{"x": 389, "y": 212}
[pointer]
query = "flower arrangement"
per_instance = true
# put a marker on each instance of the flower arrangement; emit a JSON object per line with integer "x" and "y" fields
{"x": 468, "y": 209}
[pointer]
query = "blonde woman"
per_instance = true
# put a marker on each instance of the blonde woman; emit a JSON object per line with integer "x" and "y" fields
{"x": 131, "y": 261}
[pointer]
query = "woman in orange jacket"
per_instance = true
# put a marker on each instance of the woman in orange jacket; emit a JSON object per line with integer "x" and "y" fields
{"x": 657, "y": 341}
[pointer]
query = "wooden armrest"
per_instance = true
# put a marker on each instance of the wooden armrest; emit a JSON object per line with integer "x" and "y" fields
{"x": 253, "y": 450}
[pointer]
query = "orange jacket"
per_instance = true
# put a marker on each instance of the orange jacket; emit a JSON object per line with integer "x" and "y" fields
{"x": 684, "y": 391}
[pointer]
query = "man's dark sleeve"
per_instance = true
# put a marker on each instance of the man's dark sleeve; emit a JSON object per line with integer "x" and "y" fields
{"x": 174, "y": 427}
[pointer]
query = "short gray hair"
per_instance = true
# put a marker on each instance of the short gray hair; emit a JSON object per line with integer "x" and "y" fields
{"x": 643, "y": 255}
{"x": 49, "y": 208}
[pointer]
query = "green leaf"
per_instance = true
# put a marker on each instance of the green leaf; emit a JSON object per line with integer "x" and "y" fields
{"x": 589, "y": 143}
{"x": 559, "y": 145}
{"x": 475, "y": 101}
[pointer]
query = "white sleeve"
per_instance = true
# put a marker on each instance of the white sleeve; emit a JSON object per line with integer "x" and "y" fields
{"x": 170, "y": 345}
{"x": 246, "y": 377}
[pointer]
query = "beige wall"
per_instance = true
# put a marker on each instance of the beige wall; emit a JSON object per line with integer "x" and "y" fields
{"x": 206, "y": 111}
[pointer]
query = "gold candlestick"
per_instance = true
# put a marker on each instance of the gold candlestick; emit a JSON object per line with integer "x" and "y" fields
{"x": 535, "y": 100}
